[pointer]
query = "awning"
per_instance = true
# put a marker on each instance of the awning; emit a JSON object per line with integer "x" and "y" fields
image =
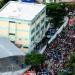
{"x": 8, "y": 49}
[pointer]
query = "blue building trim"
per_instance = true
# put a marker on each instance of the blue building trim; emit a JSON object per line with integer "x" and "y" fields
{"x": 30, "y": 1}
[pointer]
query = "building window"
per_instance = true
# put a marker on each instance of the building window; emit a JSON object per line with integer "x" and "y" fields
{"x": 42, "y": 12}
{"x": 42, "y": 27}
{"x": 12, "y": 21}
{"x": 33, "y": 30}
{"x": 11, "y": 34}
{"x": 38, "y": 25}
{"x": 42, "y": 20}
{"x": 46, "y": 25}
{"x": 37, "y": 32}
{"x": 32, "y": 39}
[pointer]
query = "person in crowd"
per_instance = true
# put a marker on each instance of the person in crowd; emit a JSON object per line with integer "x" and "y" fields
{"x": 59, "y": 50}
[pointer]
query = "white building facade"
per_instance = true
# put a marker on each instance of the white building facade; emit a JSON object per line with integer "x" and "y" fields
{"x": 23, "y": 23}
{"x": 52, "y": 1}
{"x": 48, "y": 1}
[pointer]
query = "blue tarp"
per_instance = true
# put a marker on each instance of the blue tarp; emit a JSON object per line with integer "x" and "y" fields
{"x": 30, "y": 1}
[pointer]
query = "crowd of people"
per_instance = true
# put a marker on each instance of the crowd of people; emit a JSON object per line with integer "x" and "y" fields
{"x": 59, "y": 50}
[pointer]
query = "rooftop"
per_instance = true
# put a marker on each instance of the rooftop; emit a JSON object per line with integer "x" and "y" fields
{"x": 7, "y": 49}
{"x": 21, "y": 10}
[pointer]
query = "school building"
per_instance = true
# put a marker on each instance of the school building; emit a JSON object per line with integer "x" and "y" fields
{"x": 23, "y": 23}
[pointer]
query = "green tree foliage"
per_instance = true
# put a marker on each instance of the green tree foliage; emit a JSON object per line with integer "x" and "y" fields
{"x": 56, "y": 11}
{"x": 3, "y": 2}
{"x": 70, "y": 6}
{"x": 34, "y": 59}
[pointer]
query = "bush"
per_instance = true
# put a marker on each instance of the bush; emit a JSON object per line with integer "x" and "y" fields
{"x": 56, "y": 11}
{"x": 34, "y": 59}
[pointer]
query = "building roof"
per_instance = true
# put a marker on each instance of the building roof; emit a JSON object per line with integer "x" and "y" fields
{"x": 8, "y": 49}
{"x": 21, "y": 10}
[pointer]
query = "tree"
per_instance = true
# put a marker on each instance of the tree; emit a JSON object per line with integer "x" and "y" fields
{"x": 3, "y": 2}
{"x": 34, "y": 59}
{"x": 70, "y": 6}
{"x": 56, "y": 12}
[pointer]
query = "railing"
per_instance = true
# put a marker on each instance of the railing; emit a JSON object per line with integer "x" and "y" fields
{"x": 55, "y": 35}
